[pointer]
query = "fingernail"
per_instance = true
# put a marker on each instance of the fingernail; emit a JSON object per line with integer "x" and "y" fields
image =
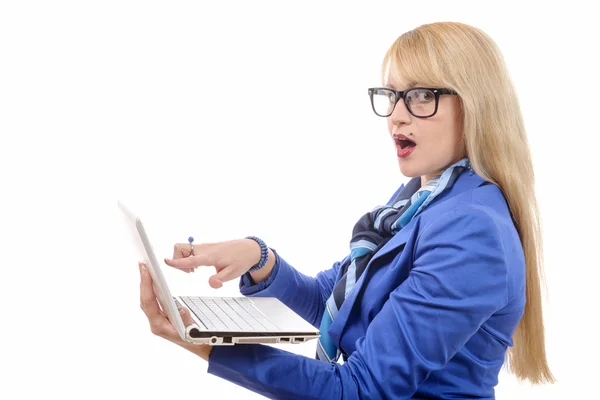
{"x": 181, "y": 310}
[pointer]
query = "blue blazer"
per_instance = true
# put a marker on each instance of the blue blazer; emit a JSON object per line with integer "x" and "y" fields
{"x": 431, "y": 317}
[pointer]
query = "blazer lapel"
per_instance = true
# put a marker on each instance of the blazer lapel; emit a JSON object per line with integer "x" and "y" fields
{"x": 339, "y": 322}
{"x": 467, "y": 181}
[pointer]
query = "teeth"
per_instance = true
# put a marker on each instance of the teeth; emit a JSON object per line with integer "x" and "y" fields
{"x": 402, "y": 141}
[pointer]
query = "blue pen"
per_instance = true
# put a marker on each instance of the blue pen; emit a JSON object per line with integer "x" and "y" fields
{"x": 191, "y": 240}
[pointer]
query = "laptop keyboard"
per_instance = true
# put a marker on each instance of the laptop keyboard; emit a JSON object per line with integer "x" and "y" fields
{"x": 228, "y": 314}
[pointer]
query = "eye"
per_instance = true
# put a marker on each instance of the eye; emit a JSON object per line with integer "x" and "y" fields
{"x": 426, "y": 95}
{"x": 421, "y": 96}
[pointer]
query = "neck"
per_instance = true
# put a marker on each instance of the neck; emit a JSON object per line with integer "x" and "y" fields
{"x": 426, "y": 178}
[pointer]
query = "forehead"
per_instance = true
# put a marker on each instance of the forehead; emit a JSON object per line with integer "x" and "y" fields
{"x": 399, "y": 83}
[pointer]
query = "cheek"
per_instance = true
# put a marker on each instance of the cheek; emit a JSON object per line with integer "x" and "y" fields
{"x": 457, "y": 142}
{"x": 443, "y": 146}
{"x": 390, "y": 126}
{"x": 448, "y": 146}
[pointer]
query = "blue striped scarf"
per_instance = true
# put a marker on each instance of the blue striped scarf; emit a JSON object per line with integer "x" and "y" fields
{"x": 372, "y": 231}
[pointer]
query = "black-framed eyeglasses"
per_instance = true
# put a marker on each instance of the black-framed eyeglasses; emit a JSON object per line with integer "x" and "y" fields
{"x": 420, "y": 102}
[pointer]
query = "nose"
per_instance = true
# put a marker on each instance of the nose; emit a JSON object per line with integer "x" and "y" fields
{"x": 400, "y": 115}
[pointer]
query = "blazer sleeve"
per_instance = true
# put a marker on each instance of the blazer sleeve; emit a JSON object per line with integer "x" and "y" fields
{"x": 304, "y": 294}
{"x": 458, "y": 280}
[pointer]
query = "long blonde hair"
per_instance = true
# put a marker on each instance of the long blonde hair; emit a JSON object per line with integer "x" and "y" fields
{"x": 464, "y": 58}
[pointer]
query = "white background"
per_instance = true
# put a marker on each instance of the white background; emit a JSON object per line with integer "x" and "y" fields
{"x": 221, "y": 121}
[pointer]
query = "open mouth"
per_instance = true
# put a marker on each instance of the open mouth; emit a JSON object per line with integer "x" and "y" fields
{"x": 403, "y": 142}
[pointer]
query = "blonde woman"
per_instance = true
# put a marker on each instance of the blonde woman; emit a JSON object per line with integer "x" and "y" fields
{"x": 442, "y": 283}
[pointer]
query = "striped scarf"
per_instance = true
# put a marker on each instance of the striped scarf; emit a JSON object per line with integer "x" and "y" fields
{"x": 372, "y": 231}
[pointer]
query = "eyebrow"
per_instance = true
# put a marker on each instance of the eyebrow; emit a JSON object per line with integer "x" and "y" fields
{"x": 410, "y": 85}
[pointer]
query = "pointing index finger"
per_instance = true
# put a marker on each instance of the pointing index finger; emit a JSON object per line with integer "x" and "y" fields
{"x": 188, "y": 262}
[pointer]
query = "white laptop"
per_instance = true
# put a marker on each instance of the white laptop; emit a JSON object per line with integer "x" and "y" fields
{"x": 220, "y": 320}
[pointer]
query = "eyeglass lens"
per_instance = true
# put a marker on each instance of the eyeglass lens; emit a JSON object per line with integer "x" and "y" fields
{"x": 421, "y": 102}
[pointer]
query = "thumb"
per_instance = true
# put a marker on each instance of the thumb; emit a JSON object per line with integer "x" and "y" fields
{"x": 185, "y": 316}
{"x": 226, "y": 274}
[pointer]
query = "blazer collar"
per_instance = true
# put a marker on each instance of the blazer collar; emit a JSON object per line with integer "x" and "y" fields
{"x": 468, "y": 180}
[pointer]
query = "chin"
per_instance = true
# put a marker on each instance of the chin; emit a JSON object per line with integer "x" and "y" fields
{"x": 408, "y": 169}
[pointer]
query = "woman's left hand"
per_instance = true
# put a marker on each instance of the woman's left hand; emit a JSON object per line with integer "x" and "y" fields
{"x": 159, "y": 323}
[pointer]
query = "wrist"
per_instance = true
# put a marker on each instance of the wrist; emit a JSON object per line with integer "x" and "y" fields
{"x": 264, "y": 273}
{"x": 206, "y": 352}
{"x": 201, "y": 350}
{"x": 264, "y": 254}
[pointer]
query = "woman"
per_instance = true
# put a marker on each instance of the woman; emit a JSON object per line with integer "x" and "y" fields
{"x": 442, "y": 283}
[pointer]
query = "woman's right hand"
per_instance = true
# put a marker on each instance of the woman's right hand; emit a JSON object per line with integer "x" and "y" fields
{"x": 231, "y": 259}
